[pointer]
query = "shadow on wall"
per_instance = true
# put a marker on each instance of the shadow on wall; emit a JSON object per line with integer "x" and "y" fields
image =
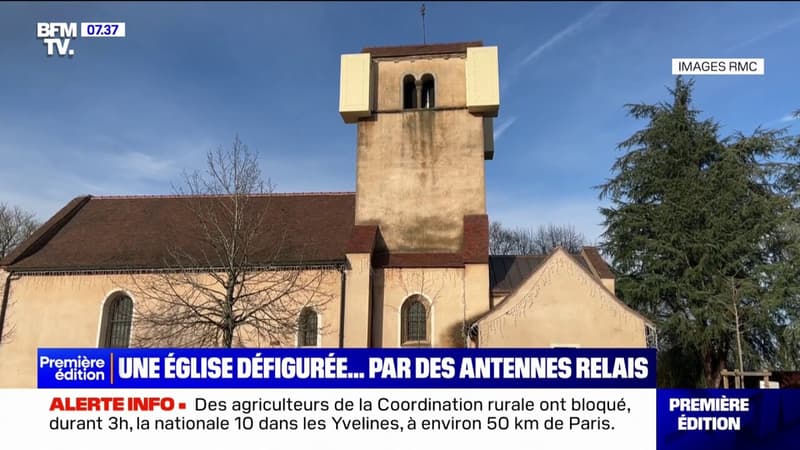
{"x": 457, "y": 333}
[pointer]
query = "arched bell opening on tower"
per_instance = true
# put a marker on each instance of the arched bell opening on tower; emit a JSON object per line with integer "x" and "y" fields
{"x": 409, "y": 92}
{"x": 428, "y": 91}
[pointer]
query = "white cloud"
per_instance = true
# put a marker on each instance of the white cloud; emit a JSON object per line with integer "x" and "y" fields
{"x": 503, "y": 126}
{"x": 102, "y": 165}
{"x": 788, "y": 118}
{"x": 164, "y": 161}
{"x": 771, "y": 31}
{"x": 143, "y": 164}
{"x": 53, "y": 189}
{"x": 573, "y": 28}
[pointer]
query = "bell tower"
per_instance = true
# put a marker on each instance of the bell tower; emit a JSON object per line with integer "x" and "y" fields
{"x": 424, "y": 117}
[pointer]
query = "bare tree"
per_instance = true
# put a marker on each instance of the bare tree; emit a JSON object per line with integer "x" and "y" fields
{"x": 502, "y": 241}
{"x": 16, "y": 225}
{"x": 541, "y": 240}
{"x": 226, "y": 287}
{"x": 547, "y": 238}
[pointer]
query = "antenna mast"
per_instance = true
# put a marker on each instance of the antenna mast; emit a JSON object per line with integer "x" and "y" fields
{"x": 422, "y": 12}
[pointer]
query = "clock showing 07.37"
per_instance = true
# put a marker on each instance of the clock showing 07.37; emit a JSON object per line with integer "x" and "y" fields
{"x": 103, "y": 29}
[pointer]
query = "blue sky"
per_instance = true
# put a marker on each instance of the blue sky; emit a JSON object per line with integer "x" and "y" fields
{"x": 127, "y": 116}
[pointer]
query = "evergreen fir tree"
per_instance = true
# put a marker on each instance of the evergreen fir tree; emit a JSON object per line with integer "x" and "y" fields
{"x": 699, "y": 230}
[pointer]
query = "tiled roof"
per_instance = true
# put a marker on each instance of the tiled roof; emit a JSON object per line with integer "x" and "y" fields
{"x": 113, "y": 233}
{"x": 139, "y": 233}
{"x": 592, "y": 254}
{"x": 418, "y": 260}
{"x": 507, "y": 273}
{"x": 420, "y": 50}
{"x": 362, "y": 239}
{"x": 476, "y": 239}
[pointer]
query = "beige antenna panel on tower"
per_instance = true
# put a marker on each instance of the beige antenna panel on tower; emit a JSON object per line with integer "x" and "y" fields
{"x": 483, "y": 81}
{"x": 354, "y": 87}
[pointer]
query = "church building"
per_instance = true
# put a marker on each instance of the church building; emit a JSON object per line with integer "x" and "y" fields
{"x": 402, "y": 262}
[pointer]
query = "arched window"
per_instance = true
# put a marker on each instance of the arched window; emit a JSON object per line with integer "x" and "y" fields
{"x": 308, "y": 328}
{"x": 415, "y": 322}
{"x": 428, "y": 92}
{"x": 409, "y": 92}
{"x": 117, "y": 318}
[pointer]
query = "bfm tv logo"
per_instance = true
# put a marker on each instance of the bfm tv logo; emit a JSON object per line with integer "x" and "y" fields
{"x": 56, "y": 36}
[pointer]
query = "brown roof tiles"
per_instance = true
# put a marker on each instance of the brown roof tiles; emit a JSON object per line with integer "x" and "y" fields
{"x": 420, "y": 50}
{"x": 45, "y": 232}
{"x": 362, "y": 239}
{"x": 114, "y": 233}
{"x": 476, "y": 239}
{"x": 418, "y": 260}
{"x": 597, "y": 263}
{"x": 507, "y": 273}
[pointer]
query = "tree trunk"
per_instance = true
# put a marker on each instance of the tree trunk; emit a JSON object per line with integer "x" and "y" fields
{"x": 227, "y": 319}
{"x": 713, "y": 361}
{"x": 227, "y": 337}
